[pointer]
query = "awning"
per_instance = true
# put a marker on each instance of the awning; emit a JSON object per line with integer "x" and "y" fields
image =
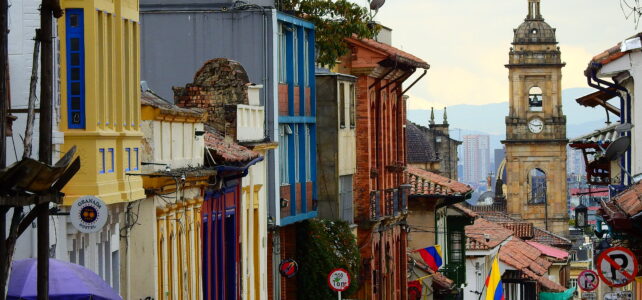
{"x": 600, "y": 98}
{"x": 568, "y": 294}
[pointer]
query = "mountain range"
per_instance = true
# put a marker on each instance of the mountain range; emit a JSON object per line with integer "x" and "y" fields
{"x": 489, "y": 118}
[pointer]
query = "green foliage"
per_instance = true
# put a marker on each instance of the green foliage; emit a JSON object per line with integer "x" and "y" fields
{"x": 334, "y": 21}
{"x": 323, "y": 245}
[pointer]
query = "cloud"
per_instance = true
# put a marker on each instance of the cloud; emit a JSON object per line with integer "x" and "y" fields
{"x": 466, "y": 42}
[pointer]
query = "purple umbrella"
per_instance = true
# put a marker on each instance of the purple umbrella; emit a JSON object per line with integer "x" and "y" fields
{"x": 67, "y": 281}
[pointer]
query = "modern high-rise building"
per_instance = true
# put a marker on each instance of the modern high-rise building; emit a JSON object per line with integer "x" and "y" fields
{"x": 476, "y": 158}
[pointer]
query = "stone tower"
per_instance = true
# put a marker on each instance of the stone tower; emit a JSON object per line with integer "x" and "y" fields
{"x": 536, "y": 126}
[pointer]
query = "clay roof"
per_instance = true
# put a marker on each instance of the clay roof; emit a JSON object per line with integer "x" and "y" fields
{"x": 613, "y": 53}
{"x": 553, "y": 252}
{"x": 527, "y": 259}
{"x": 548, "y": 238}
{"x": 483, "y": 235}
{"x": 522, "y": 230}
{"x": 599, "y": 98}
{"x": 427, "y": 183}
{"x": 437, "y": 278}
{"x": 149, "y": 98}
{"x": 225, "y": 150}
{"x": 465, "y": 210}
{"x": 419, "y": 148}
{"x": 393, "y": 53}
{"x": 630, "y": 200}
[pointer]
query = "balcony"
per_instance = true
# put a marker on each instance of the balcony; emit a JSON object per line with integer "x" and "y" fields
{"x": 389, "y": 202}
{"x": 250, "y": 119}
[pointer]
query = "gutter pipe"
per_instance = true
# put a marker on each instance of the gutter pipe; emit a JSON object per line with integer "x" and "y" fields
{"x": 415, "y": 82}
{"x": 625, "y": 104}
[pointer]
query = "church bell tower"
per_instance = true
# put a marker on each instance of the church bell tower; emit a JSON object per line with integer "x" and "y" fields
{"x": 536, "y": 126}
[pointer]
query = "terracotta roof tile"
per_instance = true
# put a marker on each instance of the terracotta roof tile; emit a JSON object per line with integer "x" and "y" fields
{"x": 393, "y": 53}
{"x": 465, "y": 210}
{"x": 427, "y": 183}
{"x": 612, "y": 53}
{"x": 225, "y": 150}
{"x": 522, "y": 230}
{"x": 484, "y": 235}
{"x": 550, "y": 239}
{"x": 630, "y": 200}
{"x": 527, "y": 259}
{"x": 553, "y": 252}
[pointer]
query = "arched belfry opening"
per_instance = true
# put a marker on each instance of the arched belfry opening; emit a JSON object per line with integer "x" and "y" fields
{"x": 535, "y": 99}
{"x": 537, "y": 186}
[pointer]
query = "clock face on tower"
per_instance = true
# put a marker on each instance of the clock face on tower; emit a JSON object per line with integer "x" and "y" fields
{"x": 536, "y": 125}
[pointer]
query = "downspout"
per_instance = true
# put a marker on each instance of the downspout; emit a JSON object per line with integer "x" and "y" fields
{"x": 625, "y": 105}
{"x": 415, "y": 82}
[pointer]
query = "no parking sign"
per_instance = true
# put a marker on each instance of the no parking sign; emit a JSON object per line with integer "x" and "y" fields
{"x": 588, "y": 280}
{"x": 617, "y": 266}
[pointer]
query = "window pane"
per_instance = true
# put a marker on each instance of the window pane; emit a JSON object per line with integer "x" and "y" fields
{"x": 75, "y": 74}
{"x": 75, "y": 103}
{"x": 74, "y": 44}
{"x": 73, "y": 20}
{"x": 75, "y": 88}
{"x": 75, "y": 59}
{"x": 352, "y": 104}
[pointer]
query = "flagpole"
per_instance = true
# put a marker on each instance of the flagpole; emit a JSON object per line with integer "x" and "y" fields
{"x": 491, "y": 269}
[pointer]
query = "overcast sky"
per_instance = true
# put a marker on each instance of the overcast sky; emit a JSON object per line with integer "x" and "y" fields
{"x": 466, "y": 42}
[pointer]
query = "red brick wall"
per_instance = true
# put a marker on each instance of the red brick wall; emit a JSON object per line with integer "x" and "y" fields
{"x": 308, "y": 192}
{"x": 283, "y": 99}
{"x": 288, "y": 250}
{"x": 297, "y": 101}
{"x": 308, "y": 108}
{"x": 285, "y": 194}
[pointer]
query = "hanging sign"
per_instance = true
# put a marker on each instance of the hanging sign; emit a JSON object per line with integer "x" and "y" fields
{"x": 88, "y": 214}
{"x": 589, "y": 296}
{"x": 588, "y": 280}
{"x": 339, "y": 280}
{"x": 617, "y": 266}
{"x": 288, "y": 268}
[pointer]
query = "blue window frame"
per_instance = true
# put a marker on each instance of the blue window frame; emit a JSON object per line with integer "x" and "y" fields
{"x": 101, "y": 151}
{"x": 136, "y": 154}
{"x": 128, "y": 154}
{"x": 111, "y": 156}
{"x": 74, "y": 26}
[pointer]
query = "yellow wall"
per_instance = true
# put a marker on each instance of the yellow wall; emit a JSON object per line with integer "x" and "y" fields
{"x": 112, "y": 100}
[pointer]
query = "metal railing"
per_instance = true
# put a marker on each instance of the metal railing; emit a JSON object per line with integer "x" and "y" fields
{"x": 375, "y": 205}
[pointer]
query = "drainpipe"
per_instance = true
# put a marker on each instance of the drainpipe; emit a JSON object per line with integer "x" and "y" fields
{"x": 591, "y": 74}
{"x": 415, "y": 82}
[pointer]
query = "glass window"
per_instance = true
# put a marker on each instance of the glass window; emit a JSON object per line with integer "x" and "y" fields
{"x": 352, "y": 107}
{"x": 128, "y": 156}
{"x": 283, "y": 155}
{"x": 111, "y": 157}
{"x": 136, "y": 157}
{"x": 283, "y": 71}
{"x": 101, "y": 151}
{"x": 306, "y": 58}
{"x": 76, "y": 68}
{"x": 342, "y": 105}
{"x": 308, "y": 152}
{"x": 297, "y": 147}
{"x": 295, "y": 55}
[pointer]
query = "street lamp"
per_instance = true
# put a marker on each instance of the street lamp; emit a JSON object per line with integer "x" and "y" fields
{"x": 581, "y": 216}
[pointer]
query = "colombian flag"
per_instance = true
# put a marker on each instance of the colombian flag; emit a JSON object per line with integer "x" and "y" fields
{"x": 494, "y": 289}
{"x": 431, "y": 256}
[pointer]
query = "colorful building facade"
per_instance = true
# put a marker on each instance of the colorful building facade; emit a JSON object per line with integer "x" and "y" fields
{"x": 379, "y": 191}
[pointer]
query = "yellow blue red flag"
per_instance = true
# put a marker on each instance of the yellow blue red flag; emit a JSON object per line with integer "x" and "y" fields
{"x": 494, "y": 288}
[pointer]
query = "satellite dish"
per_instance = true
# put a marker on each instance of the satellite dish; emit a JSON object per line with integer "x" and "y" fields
{"x": 617, "y": 148}
{"x": 376, "y": 4}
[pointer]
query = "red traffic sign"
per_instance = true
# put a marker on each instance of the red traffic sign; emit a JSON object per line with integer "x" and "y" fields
{"x": 339, "y": 280}
{"x": 288, "y": 268}
{"x": 588, "y": 280}
{"x": 617, "y": 266}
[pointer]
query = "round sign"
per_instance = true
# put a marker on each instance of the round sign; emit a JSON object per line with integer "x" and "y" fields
{"x": 339, "y": 280}
{"x": 88, "y": 214}
{"x": 588, "y": 280}
{"x": 288, "y": 268}
{"x": 617, "y": 266}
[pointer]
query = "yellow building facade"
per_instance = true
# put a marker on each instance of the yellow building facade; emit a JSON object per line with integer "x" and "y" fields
{"x": 100, "y": 97}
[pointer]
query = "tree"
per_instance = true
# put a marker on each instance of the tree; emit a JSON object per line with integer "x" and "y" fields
{"x": 334, "y": 20}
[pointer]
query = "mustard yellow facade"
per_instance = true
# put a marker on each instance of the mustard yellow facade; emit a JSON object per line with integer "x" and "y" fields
{"x": 100, "y": 97}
